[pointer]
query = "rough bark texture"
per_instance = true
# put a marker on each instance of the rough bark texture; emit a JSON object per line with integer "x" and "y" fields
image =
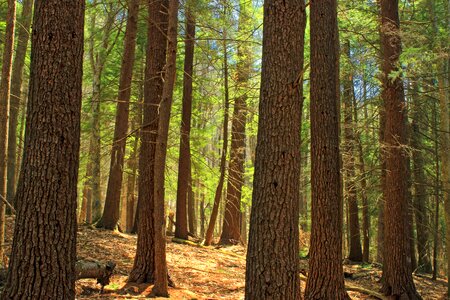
{"x": 16, "y": 99}
{"x": 4, "y": 107}
{"x": 326, "y": 278}
{"x": 231, "y": 233}
{"x": 272, "y": 256}
{"x": 181, "y": 227}
{"x": 111, "y": 212}
{"x": 381, "y": 200}
{"x": 43, "y": 257}
{"x": 397, "y": 273}
{"x": 170, "y": 69}
{"x": 349, "y": 171}
{"x": 144, "y": 261}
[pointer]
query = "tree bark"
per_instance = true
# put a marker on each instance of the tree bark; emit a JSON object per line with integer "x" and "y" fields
{"x": 43, "y": 257}
{"x": 16, "y": 99}
{"x": 111, "y": 212}
{"x": 209, "y": 236}
{"x": 349, "y": 171}
{"x": 231, "y": 233}
{"x": 5, "y": 84}
{"x": 181, "y": 227}
{"x": 420, "y": 183}
{"x": 160, "y": 289}
{"x": 326, "y": 278}
{"x": 273, "y": 248}
{"x": 397, "y": 273}
{"x": 144, "y": 261}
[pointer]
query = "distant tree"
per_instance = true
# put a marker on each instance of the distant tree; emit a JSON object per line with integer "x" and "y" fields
{"x": 231, "y": 233}
{"x": 43, "y": 253}
{"x": 273, "y": 248}
{"x": 397, "y": 272}
{"x": 144, "y": 261}
{"x": 16, "y": 97}
{"x": 111, "y": 210}
{"x": 5, "y": 85}
{"x": 326, "y": 279}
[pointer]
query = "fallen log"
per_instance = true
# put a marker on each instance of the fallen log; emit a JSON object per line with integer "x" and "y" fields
{"x": 85, "y": 269}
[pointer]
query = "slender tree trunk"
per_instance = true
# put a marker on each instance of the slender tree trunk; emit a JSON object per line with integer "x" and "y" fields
{"x": 326, "y": 279}
{"x": 362, "y": 174}
{"x": 111, "y": 211}
{"x": 273, "y": 248}
{"x": 231, "y": 233}
{"x": 437, "y": 183}
{"x": 5, "y": 83}
{"x": 181, "y": 227}
{"x": 349, "y": 164}
{"x": 16, "y": 93}
{"x": 397, "y": 273}
{"x": 420, "y": 183}
{"x": 144, "y": 261}
{"x": 43, "y": 257}
{"x": 192, "y": 216}
{"x": 215, "y": 210}
{"x": 160, "y": 288}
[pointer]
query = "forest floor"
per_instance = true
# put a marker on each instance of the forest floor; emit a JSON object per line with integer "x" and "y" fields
{"x": 200, "y": 272}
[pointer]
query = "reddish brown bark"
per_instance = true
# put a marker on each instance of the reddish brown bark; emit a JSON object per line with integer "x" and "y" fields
{"x": 231, "y": 233}
{"x": 273, "y": 248}
{"x": 181, "y": 226}
{"x": 160, "y": 289}
{"x": 111, "y": 212}
{"x": 326, "y": 279}
{"x": 397, "y": 273}
{"x": 43, "y": 257}
{"x": 144, "y": 261}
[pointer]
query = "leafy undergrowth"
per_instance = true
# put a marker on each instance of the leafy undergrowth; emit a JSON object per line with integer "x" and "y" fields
{"x": 199, "y": 272}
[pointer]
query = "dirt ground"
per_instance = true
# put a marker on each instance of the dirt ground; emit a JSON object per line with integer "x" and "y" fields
{"x": 199, "y": 272}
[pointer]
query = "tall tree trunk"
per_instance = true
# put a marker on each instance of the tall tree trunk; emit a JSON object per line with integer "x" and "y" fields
{"x": 5, "y": 83}
{"x": 43, "y": 257}
{"x": 181, "y": 227}
{"x": 231, "y": 233}
{"x": 363, "y": 180}
{"x": 437, "y": 183}
{"x": 223, "y": 160}
{"x": 16, "y": 99}
{"x": 420, "y": 183}
{"x": 397, "y": 273}
{"x": 111, "y": 212}
{"x": 381, "y": 200}
{"x": 326, "y": 279}
{"x": 192, "y": 215}
{"x": 349, "y": 172}
{"x": 160, "y": 289}
{"x": 273, "y": 248}
{"x": 144, "y": 261}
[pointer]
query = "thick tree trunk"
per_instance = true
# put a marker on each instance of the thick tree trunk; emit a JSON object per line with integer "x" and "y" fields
{"x": 181, "y": 227}
{"x": 397, "y": 273}
{"x": 209, "y": 236}
{"x": 326, "y": 278}
{"x": 5, "y": 82}
{"x": 16, "y": 99}
{"x": 46, "y": 241}
{"x": 381, "y": 200}
{"x": 273, "y": 249}
{"x": 144, "y": 261}
{"x": 160, "y": 288}
{"x": 231, "y": 233}
{"x": 111, "y": 212}
{"x": 349, "y": 171}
